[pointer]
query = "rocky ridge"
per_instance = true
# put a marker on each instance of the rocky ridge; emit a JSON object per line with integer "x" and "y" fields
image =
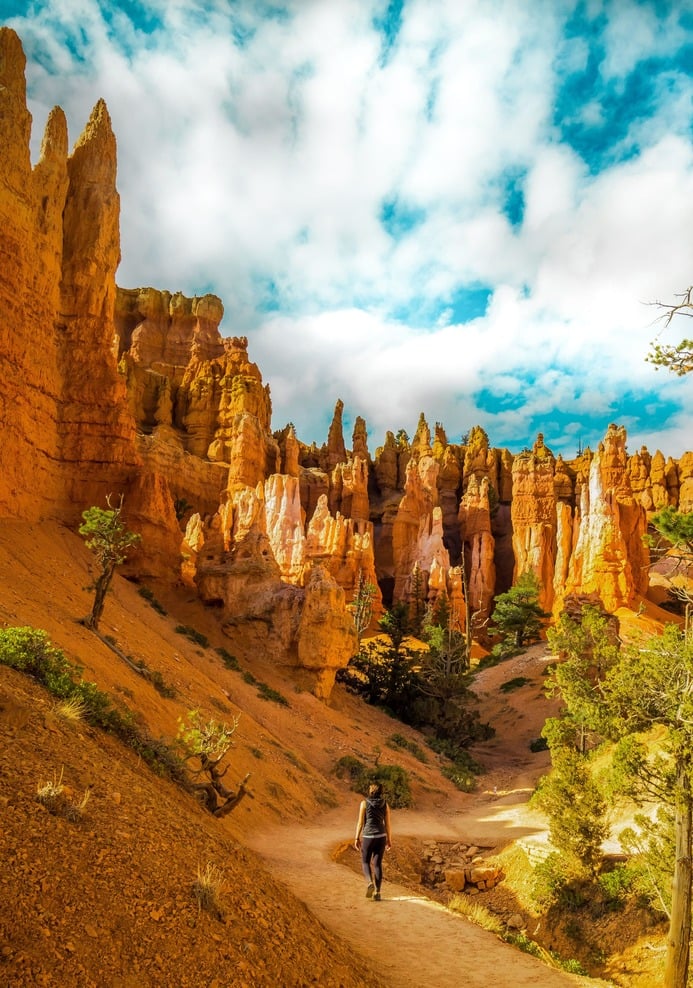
{"x": 135, "y": 391}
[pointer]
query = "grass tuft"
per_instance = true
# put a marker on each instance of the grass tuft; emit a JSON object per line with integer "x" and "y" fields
{"x": 207, "y": 889}
{"x": 59, "y": 801}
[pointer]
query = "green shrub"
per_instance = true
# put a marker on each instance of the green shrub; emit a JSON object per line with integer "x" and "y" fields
{"x": 148, "y": 595}
{"x": 160, "y": 684}
{"x": 230, "y": 661}
{"x": 616, "y": 885}
{"x": 193, "y": 635}
{"x": 538, "y": 744}
{"x": 524, "y": 943}
{"x": 513, "y": 684}
{"x": 395, "y": 783}
{"x": 460, "y": 777}
{"x": 559, "y": 880}
{"x": 30, "y": 650}
{"x": 393, "y": 778}
{"x": 268, "y": 693}
{"x": 399, "y": 741}
{"x": 573, "y": 966}
{"x": 349, "y": 767}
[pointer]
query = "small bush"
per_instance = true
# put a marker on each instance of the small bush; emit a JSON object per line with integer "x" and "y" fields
{"x": 395, "y": 783}
{"x": 248, "y": 677}
{"x": 61, "y": 802}
{"x": 29, "y": 650}
{"x": 538, "y": 744}
{"x": 616, "y": 885}
{"x": 393, "y": 778}
{"x": 148, "y": 595}
{"x": 193, "y": 635}
{"x": 268, "y": 693}
{"x": 513, "y": 684}
{"x": 230, "y": 661}
{"x": 460, "y": 777}
{"x": 399, "y": 741}
{"x": 349, "y": 767}
{"x": 573, "y": 966}
{"x": 559, "y": 881}
{"x": 524, "y": 943}
{"x": 207, "y": 888}
{"x": 160, "y": 684}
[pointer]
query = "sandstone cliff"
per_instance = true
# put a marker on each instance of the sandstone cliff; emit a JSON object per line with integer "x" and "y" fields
{"x": 68, "y": 436}
{"x": 135, "y": 391}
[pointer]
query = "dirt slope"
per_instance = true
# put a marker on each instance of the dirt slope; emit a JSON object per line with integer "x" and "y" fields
{"x": 108, "y": 901}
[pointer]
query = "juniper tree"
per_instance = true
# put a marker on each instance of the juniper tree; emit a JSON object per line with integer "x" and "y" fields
{"x": 109, "y": 540}
{"x": 648, "y": 685}
{"x": 679, "y": 357}
{"x": 517, "y": 616}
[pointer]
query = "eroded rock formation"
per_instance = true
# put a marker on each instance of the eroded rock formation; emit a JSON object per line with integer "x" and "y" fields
{"x": 134, "y": 391}
{"x": 68, "y": 439}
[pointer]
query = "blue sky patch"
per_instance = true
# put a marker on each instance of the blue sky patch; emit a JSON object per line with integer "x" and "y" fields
{"x": 268, "y": 296}
{"x": 399, "y": 218}
{"x": 388, "y": 25}
{"x": 143, "y": 17}
{"x": 513, "y": 196}
{"x": 468, "y": 302}
{"x": 594, "y": 114}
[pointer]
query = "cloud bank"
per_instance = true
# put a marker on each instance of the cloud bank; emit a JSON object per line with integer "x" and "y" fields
{"x": 414, "y": 205}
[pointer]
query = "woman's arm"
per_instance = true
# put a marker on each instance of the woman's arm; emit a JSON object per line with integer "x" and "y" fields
{"x": 388, "y": 829}
{"x": 359, "y": 825}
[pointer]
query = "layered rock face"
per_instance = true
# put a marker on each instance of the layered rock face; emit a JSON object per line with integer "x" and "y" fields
{"x": 534, "y": 518}
{"x": 68, "y": 436}
{"x": 304, "y": 625}
{"x": 134, "y": 391}
{"x": 609, "y": 558}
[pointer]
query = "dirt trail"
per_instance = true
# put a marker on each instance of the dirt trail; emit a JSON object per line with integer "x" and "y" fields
{"x": 415, "y": 942}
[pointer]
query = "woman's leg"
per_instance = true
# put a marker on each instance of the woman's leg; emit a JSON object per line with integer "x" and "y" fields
{"x": 366, "y": 855}
{"x": 377, "y": 851}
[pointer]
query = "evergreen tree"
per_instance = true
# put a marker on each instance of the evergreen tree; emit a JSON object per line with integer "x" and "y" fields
{"x": 649, "y": 685}
{"x": 675, "y": 529}
{"x": 517, "y": 616}
{"x": 109, "y": 540}
{"x": 417, "y": 602}
{"x": 362, "y": 607}
{"x": 677, "y": 358}
{"x": 576, "y": 808}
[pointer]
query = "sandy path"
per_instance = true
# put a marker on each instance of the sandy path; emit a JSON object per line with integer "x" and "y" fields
{"x": 414, "y": 942}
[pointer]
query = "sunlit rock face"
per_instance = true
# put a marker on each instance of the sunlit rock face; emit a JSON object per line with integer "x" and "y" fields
{"x": 479, "y": 547}
{"x": 108, "y": 390}
{"x": 68, "y": 439}
{"x": 533, "y": 516}
{"x": 610, "y": 558}
{"x": 306, "y": 628}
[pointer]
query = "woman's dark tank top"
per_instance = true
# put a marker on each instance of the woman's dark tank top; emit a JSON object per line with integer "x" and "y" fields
{"x": 375, "y": 818}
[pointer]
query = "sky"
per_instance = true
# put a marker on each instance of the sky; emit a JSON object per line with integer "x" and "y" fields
{"x": 464, "y": 208}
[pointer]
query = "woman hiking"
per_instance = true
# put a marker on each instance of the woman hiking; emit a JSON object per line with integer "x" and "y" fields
{"x": 373, "y": 837}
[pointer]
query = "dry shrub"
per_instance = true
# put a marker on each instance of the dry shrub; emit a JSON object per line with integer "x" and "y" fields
{"x": 60, "y": 800}
{"x": 207, "y": 889}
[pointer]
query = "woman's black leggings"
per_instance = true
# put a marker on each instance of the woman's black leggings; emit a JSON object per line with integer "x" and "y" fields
{"x": 372, "y": 850}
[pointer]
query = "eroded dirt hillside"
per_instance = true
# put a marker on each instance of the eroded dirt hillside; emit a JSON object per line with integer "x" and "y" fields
{"x": 108, "y": 900}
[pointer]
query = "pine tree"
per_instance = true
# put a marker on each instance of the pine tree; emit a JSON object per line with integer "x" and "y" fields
{"x": 517, "y": 616}
{"x": 109, "y": 540}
